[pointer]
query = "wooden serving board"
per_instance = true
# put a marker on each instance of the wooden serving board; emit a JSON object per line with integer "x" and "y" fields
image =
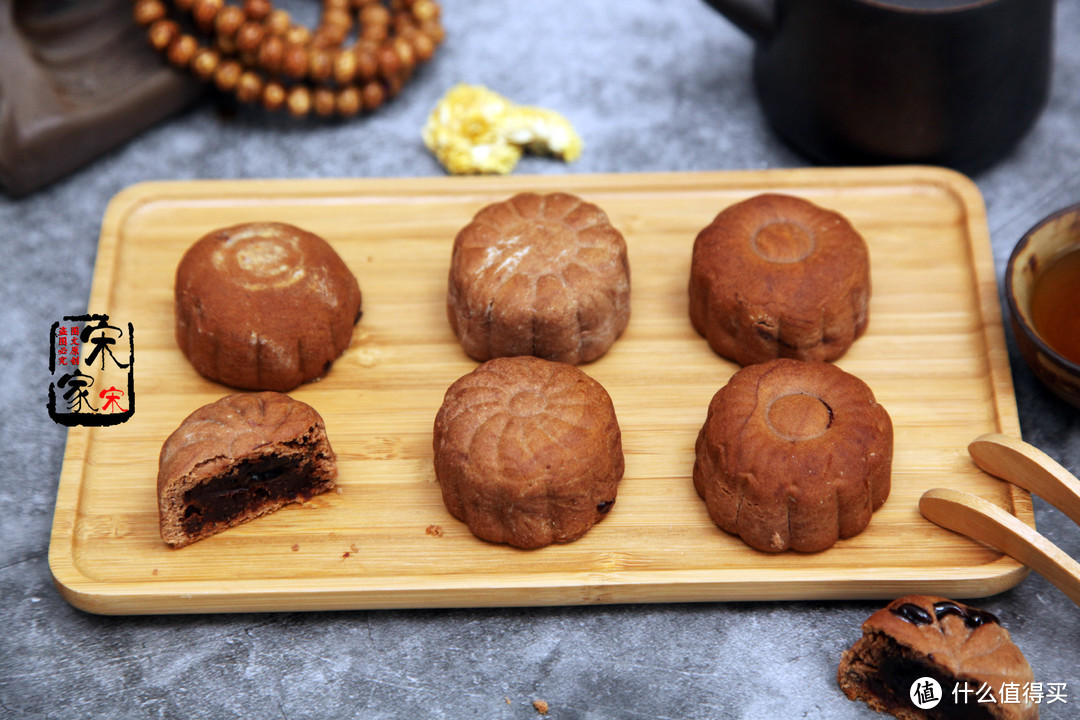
{"x": 934, "y": 356}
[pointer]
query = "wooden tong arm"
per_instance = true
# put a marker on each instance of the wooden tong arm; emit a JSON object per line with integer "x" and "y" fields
{"x": 986, "y": 522}
{"x": 1030, "y": 468}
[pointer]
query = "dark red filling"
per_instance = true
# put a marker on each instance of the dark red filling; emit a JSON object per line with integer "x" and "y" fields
{"x": 899, "y": 670}
{"x": 248, "y": 486}
{"x": 916, "y": 615}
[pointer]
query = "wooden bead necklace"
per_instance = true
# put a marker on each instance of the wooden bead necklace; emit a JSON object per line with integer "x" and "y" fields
{"x": 259, "y": 54}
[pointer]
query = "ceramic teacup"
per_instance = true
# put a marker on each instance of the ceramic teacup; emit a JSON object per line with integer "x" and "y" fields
{"x": 1040, "y": 246}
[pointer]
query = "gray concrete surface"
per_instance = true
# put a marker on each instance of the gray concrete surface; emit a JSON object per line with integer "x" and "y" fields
{"x": 652, "y": 85}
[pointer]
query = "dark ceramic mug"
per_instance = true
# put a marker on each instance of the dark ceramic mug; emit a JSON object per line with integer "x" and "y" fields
{"x": 946, "y": 82}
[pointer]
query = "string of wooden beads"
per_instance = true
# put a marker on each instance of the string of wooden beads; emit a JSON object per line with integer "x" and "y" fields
{"x": 258, "y": 53}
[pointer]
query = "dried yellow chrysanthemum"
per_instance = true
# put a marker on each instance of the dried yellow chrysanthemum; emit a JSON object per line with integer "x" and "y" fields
{"x": 475, "y": 130}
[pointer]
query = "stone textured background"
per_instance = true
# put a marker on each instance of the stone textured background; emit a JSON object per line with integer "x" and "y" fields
{"x": 652, "y": 85}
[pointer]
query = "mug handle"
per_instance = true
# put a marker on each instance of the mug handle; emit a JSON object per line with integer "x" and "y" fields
{"x": 756, "y": 18}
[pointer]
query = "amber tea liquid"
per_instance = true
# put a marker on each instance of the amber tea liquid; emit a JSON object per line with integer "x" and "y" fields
{"x": 1055, "y": 304}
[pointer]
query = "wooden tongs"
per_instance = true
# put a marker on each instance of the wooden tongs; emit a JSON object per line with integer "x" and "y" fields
{"x": 1028, "y": 467}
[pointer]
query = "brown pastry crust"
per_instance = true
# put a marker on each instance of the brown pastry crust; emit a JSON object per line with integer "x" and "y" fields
{"x": 264, "y": 306}
{"x": 543, "y": 275}
{"x": 793, "y": 455}
{"x": 528, "y": 452}
{"x": 238, "y": 458}
{"x": 926, "y": 636}
{"x": 777, "y": 276}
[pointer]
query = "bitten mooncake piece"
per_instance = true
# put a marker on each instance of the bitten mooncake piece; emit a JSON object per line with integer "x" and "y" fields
{"x": 962, "y": 648}
{"x": 794, "y": 455}
{"x": 264, "y": 306}
{"x": 528, "y": 452}
{"x": 777, "y": 276}
{"x": 238, "y": 458}
{"x": 543, "y": 275}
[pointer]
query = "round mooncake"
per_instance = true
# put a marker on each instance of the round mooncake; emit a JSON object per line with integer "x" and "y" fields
{"x": 794, "y": 455}
{"x": 777, "y": 276}
{"x": 528, "y": 452}
{"x": 264, "y": 306}
{"x": 543, "y": 275}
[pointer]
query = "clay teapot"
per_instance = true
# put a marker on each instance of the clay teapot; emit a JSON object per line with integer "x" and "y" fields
{"x": 946, "y": 82}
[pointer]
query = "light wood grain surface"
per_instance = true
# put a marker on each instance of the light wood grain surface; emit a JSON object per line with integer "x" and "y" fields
{"x": 934, "y": 355}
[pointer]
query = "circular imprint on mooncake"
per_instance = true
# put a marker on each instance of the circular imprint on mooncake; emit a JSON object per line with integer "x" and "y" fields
{"x": 542, "y": 275}
{"x": 782, "y": 242}
{"x": 528, "y": 452}
{"x": 777, "y": 276}
{"x": 794, "y": 455}
{"x": 798, "y": 416}
{"x": 264, "y": 306}
{"x": 257, "y": 260}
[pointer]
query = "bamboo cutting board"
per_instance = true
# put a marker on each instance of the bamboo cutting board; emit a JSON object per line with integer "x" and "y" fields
{"x": 934, "y": 356}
